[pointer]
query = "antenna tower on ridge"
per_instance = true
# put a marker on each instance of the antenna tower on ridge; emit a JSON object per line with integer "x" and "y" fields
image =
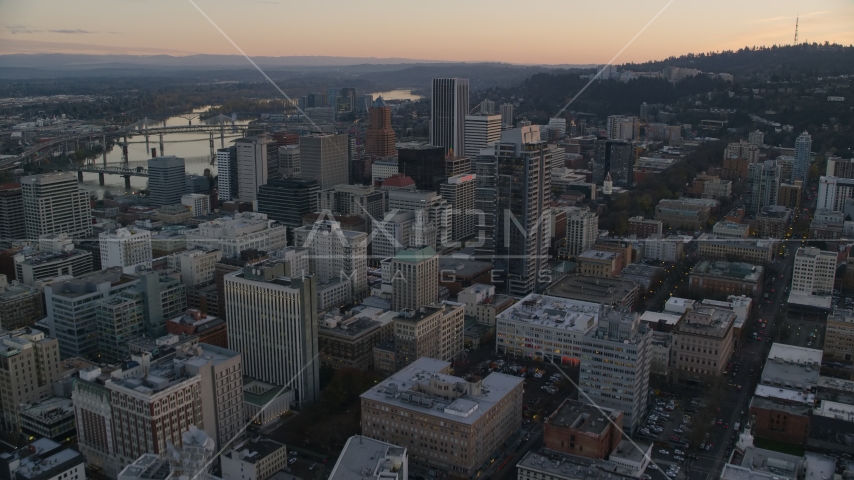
{"x": 796, "y": 29}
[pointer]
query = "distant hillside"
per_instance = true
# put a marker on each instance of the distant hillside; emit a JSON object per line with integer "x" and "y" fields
{"x": 787, "y": 62}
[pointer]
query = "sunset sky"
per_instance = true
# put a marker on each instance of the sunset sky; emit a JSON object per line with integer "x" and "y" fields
{"x": 544, "y": 31}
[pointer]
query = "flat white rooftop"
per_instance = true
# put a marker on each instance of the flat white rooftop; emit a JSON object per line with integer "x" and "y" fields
{"x": 553, "y": 312}
{"x": 795, "y": 354}
{"x": 655, "y": 317}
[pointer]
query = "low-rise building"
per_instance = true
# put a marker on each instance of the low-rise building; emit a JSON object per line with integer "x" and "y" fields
{"x": 702, "y": 345}
{"x": 643, "y": 228}
{"x": 773, "y": 222}
{"x": 664, "y": 249}
{"x": 731, "y": 230}
{"x": 52, "y": 418}
{"x": 839, "y": 337}
{"x": 364, "y": 458}
{"x": 545, "y": 328}
{"x": 757, "y": 252}
{"x": 646, "y": 276}
{"x": 174, "y": 214}
{"x": 255, "y": 459}
{"x": 760, "y": 464}
{"x": 609, "y": 291}
{"x": 348, "y": 340}
{"x": 210, "y": 329}
{"x": 580, "y": 429}
{"x": 548, "y": 464}
{"x": 20, "y": 305}
{"x": 717, "y": 278}
{"x": 597, "y": 263}
{"x": 483, "y": 304}
{"x": 44, "y": 265}
{"x": 457, "y": 274}
{"x": 471, "y": 418}
{"x": 264, "y": 402}
{"x": 43, "y": 459}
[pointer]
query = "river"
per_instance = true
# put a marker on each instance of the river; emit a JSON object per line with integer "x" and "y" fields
{"x": 190, "y": 146}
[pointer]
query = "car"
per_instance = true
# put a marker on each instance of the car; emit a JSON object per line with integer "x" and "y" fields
{"x": 726, "y": 425}
{"x": 678, "y": 457}
{"x": 294, "y": 453}
{"x": 678, "y": 452}
{"x": 702, "y": 445}
{"x": 653, "y": 466}
{"x": 706, "y": 437}
{"x": 720, "y": 421}
{"x": 313, "y": 466}
{"x": 664, "y": 452}
{"x": 292, "y": 461}
{"x": 678, "y": 430}
{"x": 708, "y": 447}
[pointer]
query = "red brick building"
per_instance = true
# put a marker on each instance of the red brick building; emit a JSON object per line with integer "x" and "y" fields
{"x": 210, "y": 330}
{"x": 787, "y": 423}
{"x": 580, "y": 429}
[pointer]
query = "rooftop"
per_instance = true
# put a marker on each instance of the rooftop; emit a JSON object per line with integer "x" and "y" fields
{"x": 583, "y": 417}
{"x": 462, "y": 268}
{"x": 656, "y": 317}
{"x": 257, "y": 392}
{"x": 254, "y": 449}
{"x": 735, "y": 270}
{"x": 839, "y": 411}
{"x": 558, "y": 465}
{"x": 42, "y": 458}
{"x": 355, "y": 322}
{"x": 592, "y": 289}
{"x": 819, "y": 467}
{"x": 761, "y": 460}
{"x": 795, "y": 354}
{"x": 365, "y": 457}
{"x": 641, "y": 270}
{"x": 148, "y": 467}
{"x": 416, "y": 388}
{"x": 553, "y": 312}
{"x": 50, "y": 410}
{"x": 807, "y": 300}
{"x": 597, "y": 255}
{"x": 770, "y": 403}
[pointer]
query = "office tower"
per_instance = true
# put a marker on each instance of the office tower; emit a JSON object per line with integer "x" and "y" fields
{"x": 323, "y": 157}
{"x": 756, "y": 138}
{"x": 12, "y": 226}
{"x": 48, "y": 263}
{"x": 53, "y": 203}
{"x": 164, "y": 297}
{"x": 803, "y": 147}
{"x": 431, "y": 331}
{"x": 287, "y": 200}
{"x": 416, "y": 278}
{"x": 272, "y": 322}
{"x": 485, "y": 203}
{"x": 72, "y": 305}
{"x": 364, "y": 201}
{"x": 833, "y": 192}
{"x": 336, "y": 254}
{"x": 199, "y": 203}
{"x": 332, "y": 98}
{"x": 394, "y": 233}
{"x": 197, "y": 265}
{"x": 432, "y": 213}
{"x": 524, "y": 188}
{"x": 379, "y": 460}
{"x": 455, "y": 165}
{"x": 380, "y": 137}
{"x": 558, "y": 126}
{"x": 459, "y": 191}
{"x": 315, "y": 100}
{"x": 119, "y": 319}
{"x": 620, "y": 386}
{"x": 347, "y": 99}
{"x": 425, "y": 164}
{"x": 506, "y": 116}
{"x": 166, "y": 180}
{"x": 621, "y": 127}
{"x": 814, "y": 271}
{"x": 226, "y": 167}
{"x": 449, "y": 106}
{"x": 617, "y": 158}
{"x": 481, "y": 130}
{"x": 480, "y": 415}
{"x": 289, "y": 161}
{"x": 30, "y": 366}
{"x": 252, "y": 166}
{"x": 763, "y": 186}
{"x": 125, "y": 248}
{"x": 582, "y": 229}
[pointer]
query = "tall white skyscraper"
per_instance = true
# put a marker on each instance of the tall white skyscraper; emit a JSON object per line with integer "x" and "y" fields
{"x": 481, "y": 130}
{"x": 226, "y": 165}
{"x": 582, "y": 228}
{"x": 324, "y": 158}
{"x": 803, "y": 146}
{"x": 448, "y": 109}
{"x": 272, "y": 322}
{"x": 53, "y": 203}
{"x": 251, "y": 166}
